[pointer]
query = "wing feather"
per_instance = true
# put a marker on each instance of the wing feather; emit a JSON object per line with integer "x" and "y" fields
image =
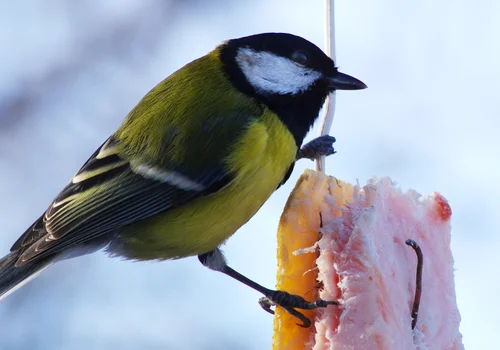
{"x": 106, "y": 194}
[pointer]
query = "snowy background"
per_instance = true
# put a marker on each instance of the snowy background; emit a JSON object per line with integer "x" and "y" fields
{"x": 70, "y": 72}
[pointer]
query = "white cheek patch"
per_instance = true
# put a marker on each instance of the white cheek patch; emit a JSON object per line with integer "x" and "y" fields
{"x": 272, "y": 74}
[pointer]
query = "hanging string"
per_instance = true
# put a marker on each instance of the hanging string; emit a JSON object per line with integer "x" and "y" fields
{"x": 329, "y": 110}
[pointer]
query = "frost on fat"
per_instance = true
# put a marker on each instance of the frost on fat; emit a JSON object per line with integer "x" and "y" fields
{"x": 365, "y": 263}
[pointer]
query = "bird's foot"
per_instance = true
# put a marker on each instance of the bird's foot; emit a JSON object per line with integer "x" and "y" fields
{"x": 291, "y": 302}
{"x": 320, "y": 146}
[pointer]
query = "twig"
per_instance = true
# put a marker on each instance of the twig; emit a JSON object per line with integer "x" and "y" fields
{"x": 418, "y": 286}
{"x": 329, "y": 111}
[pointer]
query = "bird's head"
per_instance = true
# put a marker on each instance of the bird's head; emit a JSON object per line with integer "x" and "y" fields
{"x": 279, "y": 63}
{"x": 288, "y": 73}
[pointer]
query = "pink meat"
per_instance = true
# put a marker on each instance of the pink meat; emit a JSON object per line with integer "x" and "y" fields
{"x": 365, "y": 263}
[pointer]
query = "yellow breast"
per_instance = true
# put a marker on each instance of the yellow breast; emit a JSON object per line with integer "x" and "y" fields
{"x": 260, "y": 159}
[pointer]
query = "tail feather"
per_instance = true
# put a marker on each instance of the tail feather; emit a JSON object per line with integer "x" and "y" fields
{"x": 13, "y": 277}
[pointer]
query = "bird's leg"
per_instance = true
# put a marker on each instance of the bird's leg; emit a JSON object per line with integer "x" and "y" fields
{"x": 320, "y": 146}
{"x": 216, "y": 261}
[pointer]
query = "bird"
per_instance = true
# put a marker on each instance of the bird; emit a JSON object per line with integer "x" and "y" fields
{"x": 191, "y": 163}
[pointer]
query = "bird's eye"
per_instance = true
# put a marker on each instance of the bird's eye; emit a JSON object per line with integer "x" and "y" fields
{"x": 300, "y": 57}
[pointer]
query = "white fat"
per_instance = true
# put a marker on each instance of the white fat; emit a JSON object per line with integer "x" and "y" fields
{"x": 171, "y": 177}
{"x": 273, "y": 74}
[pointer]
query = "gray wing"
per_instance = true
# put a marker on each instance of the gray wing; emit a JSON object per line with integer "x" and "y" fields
{"x": 110, "y": 192}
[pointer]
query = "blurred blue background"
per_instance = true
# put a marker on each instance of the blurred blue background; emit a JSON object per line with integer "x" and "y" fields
{"x": 70, "y": 72}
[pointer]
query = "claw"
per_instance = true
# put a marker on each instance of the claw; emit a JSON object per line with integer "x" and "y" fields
{"x": 306, "y": 322}
{"x": 291, "y": 302}
{"x": 266, "y": 304}
{"x": 320, "y": 146}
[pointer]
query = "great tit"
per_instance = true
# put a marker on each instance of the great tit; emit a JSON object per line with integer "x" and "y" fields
{"x": 191, "y": 163}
